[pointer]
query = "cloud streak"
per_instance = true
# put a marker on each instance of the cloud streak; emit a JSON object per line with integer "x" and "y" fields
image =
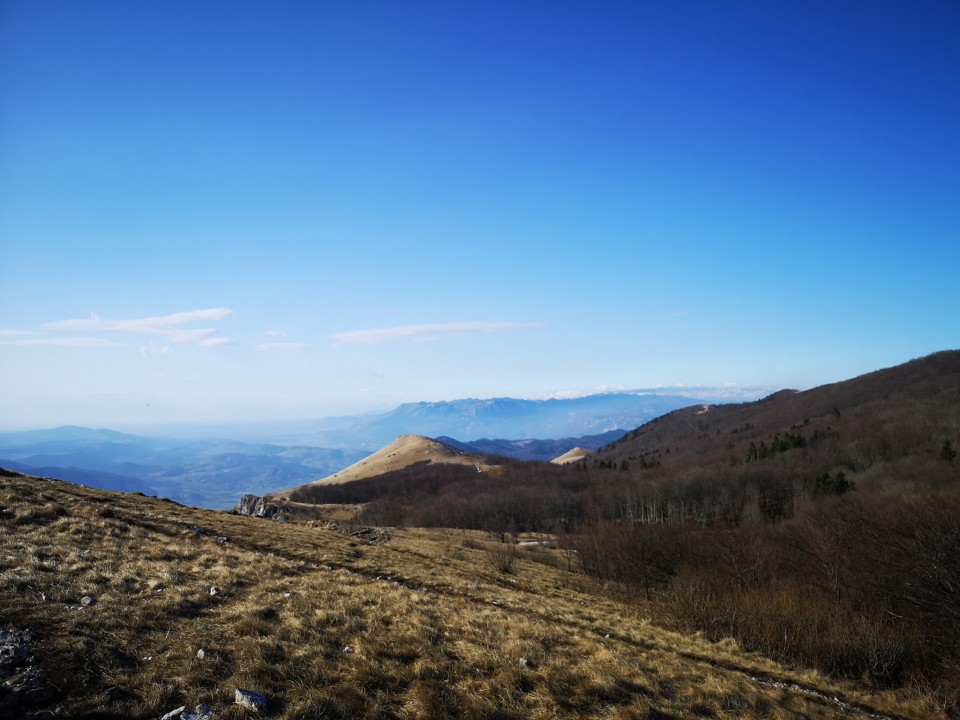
{"x": 169, "y": 326}
{"x": 62, "y": 342}
{"x": 280, "y": 346}
{"x": 426, "y": 332}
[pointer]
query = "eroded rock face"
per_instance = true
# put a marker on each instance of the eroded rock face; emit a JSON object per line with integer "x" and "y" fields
{"x": 23, "y": 685}
{"x": 255, "y": 506}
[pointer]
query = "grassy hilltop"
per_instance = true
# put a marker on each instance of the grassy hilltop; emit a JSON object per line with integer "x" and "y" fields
{"x": 327, "y": 625}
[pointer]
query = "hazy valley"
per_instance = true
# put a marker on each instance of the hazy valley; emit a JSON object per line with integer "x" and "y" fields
{"x": 213, "y": 471}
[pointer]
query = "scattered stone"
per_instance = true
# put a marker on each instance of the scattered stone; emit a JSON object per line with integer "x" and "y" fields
{"x": 348, "y": 649}
{"x": 368, "y": 535}
{"x": 201, "y": 712}
{"x": 24, "y": 686}
{"x": 214, "y": 591}
{"x": 174, "y": 714}
{"x": 203, "y": 654}
{"x": 88, "y": 600}
{"x": 523, "y": 662}
{"x": 250, "y": 699}
{"x": 287, "y": 594}
{"x": 44, "y": 597}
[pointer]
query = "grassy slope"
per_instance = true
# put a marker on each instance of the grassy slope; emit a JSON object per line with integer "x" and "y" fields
{"x": 436, "y": 630}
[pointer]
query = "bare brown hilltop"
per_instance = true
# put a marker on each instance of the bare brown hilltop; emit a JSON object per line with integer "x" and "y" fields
{"x": 403, "y": 452}
{"x": 573, "y": 455}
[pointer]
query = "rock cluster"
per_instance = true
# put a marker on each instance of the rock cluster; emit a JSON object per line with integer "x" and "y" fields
{"x": 256, "y": 506}
{"x": 23, "y": 686}
{"x": 245, "y": 698}
{"x": 368, "y": 535}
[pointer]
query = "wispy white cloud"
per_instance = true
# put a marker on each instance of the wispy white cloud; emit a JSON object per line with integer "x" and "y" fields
{"x": 17, "y": 333}
{"x": 167, "y": 325}
{"x": 152, "y": 348}
{"x": 274, "y": 346}
{"x": 424, "y": 332}
{"x": 217, "y": 341}
{"x": 62, "y": 342}
{"x": 728, "y": 391}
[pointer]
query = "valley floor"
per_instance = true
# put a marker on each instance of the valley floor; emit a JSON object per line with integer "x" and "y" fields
{"x": 327, "y": 625}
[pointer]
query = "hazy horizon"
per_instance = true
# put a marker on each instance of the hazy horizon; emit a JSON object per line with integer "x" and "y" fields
{"x": 256, "y": 211}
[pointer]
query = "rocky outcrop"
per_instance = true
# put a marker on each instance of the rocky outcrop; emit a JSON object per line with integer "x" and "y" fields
{"x": 23, "y": 686}
{"x": 257, "y": 506}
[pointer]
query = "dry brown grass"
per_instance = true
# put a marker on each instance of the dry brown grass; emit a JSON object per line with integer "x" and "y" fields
{"x": 435, "y": 629}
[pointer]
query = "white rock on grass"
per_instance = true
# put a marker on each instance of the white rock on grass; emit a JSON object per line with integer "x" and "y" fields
{"x": 201, "y": 712}
{"x": 250, "y": 699}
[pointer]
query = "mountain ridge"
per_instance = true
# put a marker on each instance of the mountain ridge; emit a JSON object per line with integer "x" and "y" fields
{"x": 403, "y": 452}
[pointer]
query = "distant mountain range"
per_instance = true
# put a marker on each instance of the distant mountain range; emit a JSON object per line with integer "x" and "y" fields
{"x": 508, "y": 418}
{"x": 215, "y": 472}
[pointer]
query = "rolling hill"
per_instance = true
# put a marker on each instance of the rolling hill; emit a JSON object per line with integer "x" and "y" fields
{"x": 896, "y": 422}
{"x": 403, "y": 452}
{"x": 121, "y": 606}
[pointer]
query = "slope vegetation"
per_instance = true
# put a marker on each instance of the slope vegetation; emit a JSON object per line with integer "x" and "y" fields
{"x": 821, "y": 528}
{"x": 897, "y": 422}
{"x": 339, "y": 622}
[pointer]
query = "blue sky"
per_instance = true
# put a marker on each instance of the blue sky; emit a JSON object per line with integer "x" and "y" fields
{"x": 261, "y": 210}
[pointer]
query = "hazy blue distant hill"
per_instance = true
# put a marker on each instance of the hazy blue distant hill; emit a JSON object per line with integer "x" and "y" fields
{"x": 214, "y": 472}
{"x": 207, "y": 473}
{"x": 90, "y": 478}
{"x": 534, "y": 449}
{"x": 501, "y": 418}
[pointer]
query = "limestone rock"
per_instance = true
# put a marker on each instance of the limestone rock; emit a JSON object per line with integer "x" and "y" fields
{"x": 250, "y": 699}
{"x": 201, "y": 712}
{"x": 23, "y": 684}
{"x": 255, "y": 506}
